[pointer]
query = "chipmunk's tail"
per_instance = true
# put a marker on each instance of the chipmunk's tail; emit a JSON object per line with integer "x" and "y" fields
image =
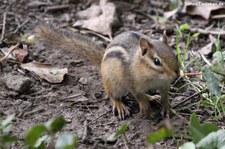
{"x": 80, "y": 44}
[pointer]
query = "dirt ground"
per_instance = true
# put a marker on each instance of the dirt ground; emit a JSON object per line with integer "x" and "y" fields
{"x": 44, "y": 100}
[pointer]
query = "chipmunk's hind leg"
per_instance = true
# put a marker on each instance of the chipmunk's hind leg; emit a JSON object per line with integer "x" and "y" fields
{"x": 114, "y": 80}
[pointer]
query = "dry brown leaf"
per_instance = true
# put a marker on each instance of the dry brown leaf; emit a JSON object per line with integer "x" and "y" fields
{"x": 103, "y": 22}
{"x": 206, "y": 50}
{"x": 46, "y": 71}
{"x": 17, "y": 54}
{"x": 202, "y": 10}
{"x": 93, "y": 11}
{"x": 20, "y": 54}
{"x": 169, "y": 14}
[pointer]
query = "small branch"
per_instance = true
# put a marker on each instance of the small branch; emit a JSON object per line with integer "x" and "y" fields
{"x": 73, "y": 96}
{"x": 56, "y": 8}
{"x": 188, "y": 98}
{"x": 99, "y": 117}
{"x": 34, "y": 111}
{"x": 87, "y": 106}
{"x": 3, "y": 27}
{"x": 94, "y": 33}
{"x": 85, "y": 130}
{"x": 10, "y": 50}
{"x": 202, "y": 31}
{"x": 204, "y": 58}
{"x": 21, "y": 25}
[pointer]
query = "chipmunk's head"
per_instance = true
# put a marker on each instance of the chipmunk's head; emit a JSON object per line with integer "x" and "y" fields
{"x": 159, "y": 58}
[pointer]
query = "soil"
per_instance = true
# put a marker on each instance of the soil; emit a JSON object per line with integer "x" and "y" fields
{"x": 44, "y": 100}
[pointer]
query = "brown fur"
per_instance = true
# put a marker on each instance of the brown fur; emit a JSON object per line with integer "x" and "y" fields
{"x": 80, "y": 44}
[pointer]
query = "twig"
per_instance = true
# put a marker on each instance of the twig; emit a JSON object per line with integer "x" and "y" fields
{"x": 85, "y": 130}
{"x": 99, "y": 35}
{"x": 56, "y": 8}
{"x": 203, "y": 57}
{"x": 188, "y": 98}
{"x": 21, "y": 25}
{"x": 202, "y": 31}
{"x": 192, "y": 74}
{"x": 73, "y": 96}
{"x": 4, "y": 23}
{"x": 99, "y": 117}
{"x": 10, "y": 50}
{"x": 87, "y": 106}
{"x": 34, "y": 111}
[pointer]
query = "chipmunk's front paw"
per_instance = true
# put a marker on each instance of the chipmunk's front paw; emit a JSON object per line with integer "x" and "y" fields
{"x": 121, "y": 108}
{"x": 166, "y": 112}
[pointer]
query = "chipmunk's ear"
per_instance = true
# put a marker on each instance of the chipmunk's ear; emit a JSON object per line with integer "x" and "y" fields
{"x": 145, "y": 45}
{"x": 164, "y": 38}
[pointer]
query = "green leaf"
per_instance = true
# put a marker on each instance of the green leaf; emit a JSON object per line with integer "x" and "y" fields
{"x": 56, "y": 125}
{"x": 218, "y": 68}
{"x": 218, "y": 45}
{"x": 184, "y": 27}
{"x": 6, "y": 139}
{"x": 6, "y": 129}
{"x": 66, "y": 141}
{"x": 187, "y": 145}
{"x": 159, "y": 135}
{"x": 7, "y": 121}
{"x": 214, "y": 140}
{"x": 34, "y": 134}
{"x": 40, "y": 143}
{"x": 218, "y": 57}
{"x": 194, "y": 128}
{"x": 122, "y": 130}
{"x": 212, "y": 82}
{"x": 195, "y": 35}
{"x": 199, "y": 131}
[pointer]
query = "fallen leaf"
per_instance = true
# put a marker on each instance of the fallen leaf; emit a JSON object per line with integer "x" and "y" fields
{"x": 46, "y": 71}
{"x": 20, "y": 54}
{"x": 101, "y": 23}
{"x": 93, "y": 11}
{"x": 202, "y": 10}
{"x": 17, "y": 54}
{"x": 206, "y": 50}
{"x": 169, "y": 14}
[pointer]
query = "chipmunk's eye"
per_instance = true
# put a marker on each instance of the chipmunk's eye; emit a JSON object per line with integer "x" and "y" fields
{"x": 156, "y": 61}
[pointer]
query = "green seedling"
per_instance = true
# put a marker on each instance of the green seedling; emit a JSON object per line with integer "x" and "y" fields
{"x": 5, "y": 126}
{"x": 46, "y": 136}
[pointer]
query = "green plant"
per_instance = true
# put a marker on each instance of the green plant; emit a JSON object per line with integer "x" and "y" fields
{"x": 204, "y": 136}
{"x": 5, "y": 126}
{"x": 214, "y": 74}
{"x": 121, "y": 131}
{"x": 47, "y": 136}
{"x": 179, "y": 35}
{"x": 165, "y": 131}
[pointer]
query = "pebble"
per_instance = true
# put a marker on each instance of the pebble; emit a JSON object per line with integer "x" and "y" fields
{"x": 83, "y": 81}
{"x": 17, "y": 83}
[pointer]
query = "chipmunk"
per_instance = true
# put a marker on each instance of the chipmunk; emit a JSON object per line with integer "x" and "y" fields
{"x": 132, "y": 62}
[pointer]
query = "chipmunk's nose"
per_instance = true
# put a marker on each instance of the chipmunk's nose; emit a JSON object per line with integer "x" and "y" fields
{"x": 176, "y": 74}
